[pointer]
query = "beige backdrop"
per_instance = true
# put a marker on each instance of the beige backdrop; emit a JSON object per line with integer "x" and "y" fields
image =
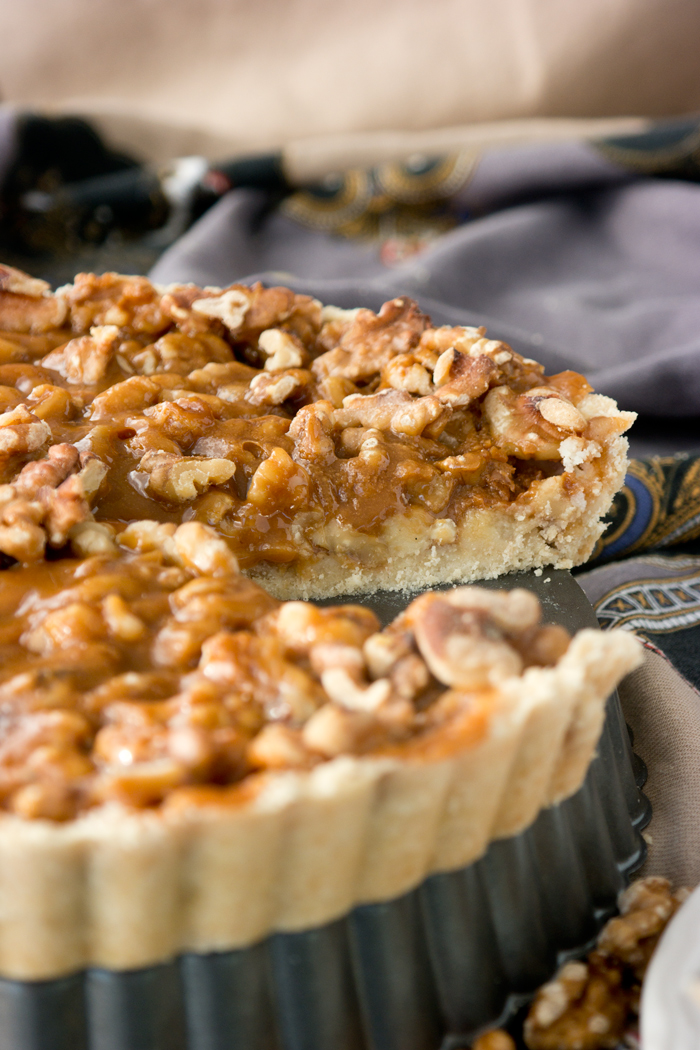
{"x": 255, "y": 73}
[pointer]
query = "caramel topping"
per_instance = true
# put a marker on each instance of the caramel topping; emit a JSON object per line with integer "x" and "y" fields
{"x": 155, "y": 671}
{"x": 259, "y": 412}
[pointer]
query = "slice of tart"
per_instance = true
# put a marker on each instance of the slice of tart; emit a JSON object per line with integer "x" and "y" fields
{"x": 186, "y": 764}
{"x": 337, "y": 451}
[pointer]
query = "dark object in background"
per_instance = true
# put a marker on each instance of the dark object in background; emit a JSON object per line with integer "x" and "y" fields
{"x": 53, "y": 153}
{"x": 67, "y": 189}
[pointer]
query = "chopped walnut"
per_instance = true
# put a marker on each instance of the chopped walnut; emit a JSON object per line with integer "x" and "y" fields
{"x": 461, "y": 379}
{"x": 27, "y": 304}
{"x": 531, "y": 425}
{"x": 371, "y": 340}
{"x": 494, "y": 1040}
{"x": 278, "y": 747}
{"x": 282, "y": 349}
{"x": 180, "y": 479}
{"x": 278, "y": 482}
{"x": 177, "y": 352}
{"x": 275, "y": 388}
{"x": 589, "y": 1005}
{"x": 389, "y": 409}
{"x": 113, "y": 299}
{"x": 335, "y": 730}
{"x": 21, "y": 432}
{"x": 47, "y": 500}
{"x": 462, "y": 647}
{"x": 311, "y": 431}
{"x": 12, "y": 280}
{"x": 406, "y": 373}
{"x": 86, "y": 359}
{"x": 230, "y": 307}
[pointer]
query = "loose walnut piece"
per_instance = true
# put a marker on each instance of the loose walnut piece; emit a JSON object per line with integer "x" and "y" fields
{"x": 589, "y": 1005}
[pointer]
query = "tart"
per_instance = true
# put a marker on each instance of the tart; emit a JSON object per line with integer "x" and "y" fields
{"x": 337, "y": 451}
{"x": 188, "y": 764}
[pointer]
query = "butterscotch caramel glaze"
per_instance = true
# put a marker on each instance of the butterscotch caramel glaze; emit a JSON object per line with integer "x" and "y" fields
{"x": 158, "y": 669}
{"x": 293, "y": 429}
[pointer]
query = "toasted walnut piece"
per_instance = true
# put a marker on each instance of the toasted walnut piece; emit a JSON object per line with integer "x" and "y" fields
{"x": 85, "y": 360}
{"x": 179, "y": 478}
{"x": 461, "y": 378}
{"x": 389, "y": 410}
{"x": 23, "y": 312}
{"x": 405, "y": 373}
{"x": 344, "y": 688}
{"x": 278, "y": 482}
{"x": 463, "y": 645}
{"x": 192, "y": 747}
{"x": 516, "y": 425}
{"x": 66, "y": 507}
{"x": 121, "y": 622}
{"x": 44, "y": 799}
{"x": 301, "y": 626}
{"x": 131, "y": 395}
{"x": 371, "y": 340}
{"x": 275, "y": 388}
{"x": 53, "y": 403}
{"x": 561, "y": 414}
{"x": 646, "y": 906}
{"x": 200, "y": 548}
{"x": 60, "y": 461}
{"x": 282, "y": 350}
{"x": 23, "y": 539}
{"x": 332, "y": 655}
{"x": 21, "y": 432}
{"x": 47, "y": 501}
{"x": 88, "y": 538}
{"x": 583, "y": 1008}
{"x": 335, "y": 389}
{"x": 311, "y": 430}
{"x": 230, "y": 307}
{"x": 12, "y": 280}
{"x": 384, "y": 650}
{"x": 180, "y": 353}
{"x": 494, "y": 1040}
{"x": 334, "y": 730}
{"x": 438, "y": 340}
{"x": 513, "y": 611}
{"x": 278, "y": 747}
{"x": 141, "y": 784}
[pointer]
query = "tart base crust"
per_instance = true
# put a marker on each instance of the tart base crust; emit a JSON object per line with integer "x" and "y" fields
{"x": 124, "y": 890}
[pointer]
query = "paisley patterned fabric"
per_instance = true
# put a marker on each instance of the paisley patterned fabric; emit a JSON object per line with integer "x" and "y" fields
{"x": 659, "y": 506}
{"x": 420, "y": 198}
